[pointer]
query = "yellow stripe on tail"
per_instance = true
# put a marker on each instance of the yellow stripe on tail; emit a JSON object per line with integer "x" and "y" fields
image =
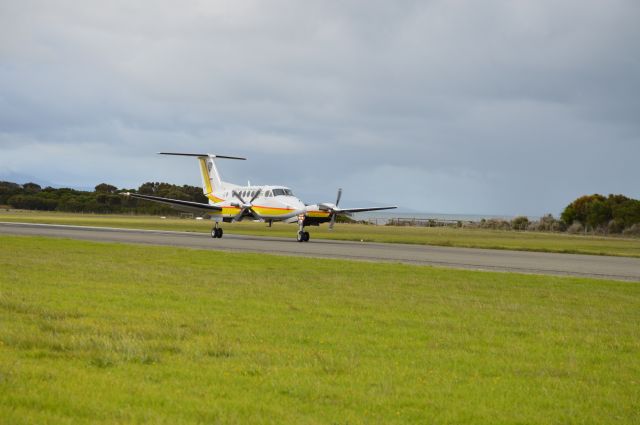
{"x": 206, "y": 178}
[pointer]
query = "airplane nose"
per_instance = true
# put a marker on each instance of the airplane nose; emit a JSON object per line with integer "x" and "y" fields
{"x": 297, "y": 204}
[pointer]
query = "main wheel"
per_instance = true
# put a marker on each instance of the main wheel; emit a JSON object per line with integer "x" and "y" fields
{"x": 214, "y": 233}
{"x": 306, "y": 236}
{"x": 220, "y": 232}
{"x": 300, "y": 236}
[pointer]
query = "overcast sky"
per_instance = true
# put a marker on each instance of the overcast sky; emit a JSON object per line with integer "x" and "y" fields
{"x": 504, "y": 107}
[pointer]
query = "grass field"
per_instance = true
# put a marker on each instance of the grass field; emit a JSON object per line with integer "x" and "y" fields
{"x": 108, "y": 333}
{"x": 469, "y": 238}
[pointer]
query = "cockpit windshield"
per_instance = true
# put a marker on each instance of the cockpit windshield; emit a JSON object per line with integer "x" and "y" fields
{"x": 282, "y": 192}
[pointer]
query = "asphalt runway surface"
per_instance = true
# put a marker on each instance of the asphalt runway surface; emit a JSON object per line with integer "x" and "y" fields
{"x": 594, "y": 266}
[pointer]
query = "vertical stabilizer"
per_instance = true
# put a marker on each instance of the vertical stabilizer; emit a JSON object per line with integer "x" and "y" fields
{"x": 211, "y": 181}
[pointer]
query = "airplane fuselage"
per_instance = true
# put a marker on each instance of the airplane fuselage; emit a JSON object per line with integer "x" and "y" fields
{"x": 273, "y": 203}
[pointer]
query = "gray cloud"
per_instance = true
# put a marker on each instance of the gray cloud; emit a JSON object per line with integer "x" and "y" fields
{"x": 469, "y": 107}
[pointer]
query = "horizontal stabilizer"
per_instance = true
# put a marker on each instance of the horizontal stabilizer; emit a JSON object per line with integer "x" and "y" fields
{"x": 202, "y": 155}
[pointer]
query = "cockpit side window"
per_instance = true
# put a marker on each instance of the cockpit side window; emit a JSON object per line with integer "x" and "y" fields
{"x": 288, "y": 192}
{"x": 278, "y": 192}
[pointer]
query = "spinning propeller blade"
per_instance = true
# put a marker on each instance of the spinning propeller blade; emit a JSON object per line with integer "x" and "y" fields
{"x": 244, "y": 206}
{"x": 255, "y": 196}
{"x": 334, "y": 213}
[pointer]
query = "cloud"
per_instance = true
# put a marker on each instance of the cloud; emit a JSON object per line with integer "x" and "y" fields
{"x": 464, "y": 107}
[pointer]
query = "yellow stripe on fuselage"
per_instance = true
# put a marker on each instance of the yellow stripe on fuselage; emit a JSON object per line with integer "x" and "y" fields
{"x": 269, "y": 212}
{"x": 214, "y": 198}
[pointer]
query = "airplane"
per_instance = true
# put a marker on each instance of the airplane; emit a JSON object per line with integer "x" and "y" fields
{"x": 230, "y": 202}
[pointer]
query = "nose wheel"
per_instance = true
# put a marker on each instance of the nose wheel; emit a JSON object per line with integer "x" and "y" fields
{"x": 216, "y": 232}
{"x": 302, "y": 235}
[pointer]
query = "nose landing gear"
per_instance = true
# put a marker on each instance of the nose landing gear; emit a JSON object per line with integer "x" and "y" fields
{"x": 302, "y": 235}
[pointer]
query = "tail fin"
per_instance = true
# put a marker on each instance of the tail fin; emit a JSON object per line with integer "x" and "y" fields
{"x": 211, "y": 180}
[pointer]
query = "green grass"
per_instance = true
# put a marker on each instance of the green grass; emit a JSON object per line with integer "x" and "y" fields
{"x": 108, "y": 333}
{"x": 468, "y": 238}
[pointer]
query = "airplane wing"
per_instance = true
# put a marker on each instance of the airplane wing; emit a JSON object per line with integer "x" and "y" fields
{"x": 194, "y": 207}
{"x": 335, "y": 211}
{"x": 357, "y": 210}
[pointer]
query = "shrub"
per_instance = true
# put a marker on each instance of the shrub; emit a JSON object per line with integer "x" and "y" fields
{"x": 627, "y": 212}
{"x": 495, "y": 224}
{"x": 547, "y": 223}
{"x": 632, "y": 230}
{"x": 520, "y": 223}
{"x": 576, "y": 227}
{"x": 580, "y": 209}
{"x": 615, "y": 226}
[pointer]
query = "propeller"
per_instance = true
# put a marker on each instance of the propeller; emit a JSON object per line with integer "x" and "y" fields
{"x": 334, "y": 211}
{"x": 246, "y": 206}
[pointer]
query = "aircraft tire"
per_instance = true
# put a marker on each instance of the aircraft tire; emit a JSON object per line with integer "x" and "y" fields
{"x": 220, "y": 232}
{"x": 306, "y": 236}
{"x": 300, "y": 237}
{"x": 214, "y": 233}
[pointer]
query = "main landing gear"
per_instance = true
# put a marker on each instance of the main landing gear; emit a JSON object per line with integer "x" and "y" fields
{"x": 216, "y": 232}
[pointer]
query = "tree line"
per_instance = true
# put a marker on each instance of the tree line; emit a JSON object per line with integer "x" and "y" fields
{"x": 613, "y": 214}
{"x": 104, "y": 199}
{"x": 596, "y": 214}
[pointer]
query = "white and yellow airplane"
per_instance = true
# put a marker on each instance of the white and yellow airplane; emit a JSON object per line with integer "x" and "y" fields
{"x": 230, "y": 202}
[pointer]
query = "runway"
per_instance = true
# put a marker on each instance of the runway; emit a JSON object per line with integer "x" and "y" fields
{"x": 594, "y": 266}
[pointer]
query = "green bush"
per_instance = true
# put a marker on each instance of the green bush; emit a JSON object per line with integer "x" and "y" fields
{"x": 520, "y": 223}
{"x": 610, "y": 214}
